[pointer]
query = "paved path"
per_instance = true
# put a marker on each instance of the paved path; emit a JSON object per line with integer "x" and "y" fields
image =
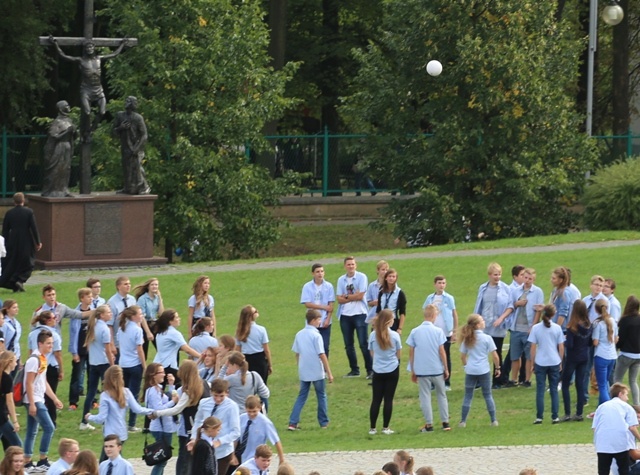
{"x": 547, "y": 459}
{"x": 40, "y": 278}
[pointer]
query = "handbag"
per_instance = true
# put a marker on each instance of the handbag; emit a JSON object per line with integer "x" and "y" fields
{"x": 157, "y": 452}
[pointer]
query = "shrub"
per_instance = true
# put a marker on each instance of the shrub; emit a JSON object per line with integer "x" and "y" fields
{"x": 612, "y": 199}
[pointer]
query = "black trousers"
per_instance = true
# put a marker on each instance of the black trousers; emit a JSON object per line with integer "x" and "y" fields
{"x": 383, "y": 389}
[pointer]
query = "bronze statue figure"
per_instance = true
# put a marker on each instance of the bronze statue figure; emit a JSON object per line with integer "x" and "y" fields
{"x": 58, "y": 152}
{"x": 130, "y": 127}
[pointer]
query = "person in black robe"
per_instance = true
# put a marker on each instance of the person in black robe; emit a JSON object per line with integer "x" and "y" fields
{"x": 22, "y": 241}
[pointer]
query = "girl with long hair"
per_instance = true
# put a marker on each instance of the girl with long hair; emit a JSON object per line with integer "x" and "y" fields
{"x": 547, "y": 351}
{"x": 12, "y": 329}
{"x": 46, "y": 320}
{"x": 201, "y": 303}
{"x": 393, "y": 298}
{"x": 193, "y": 389}
{"x": 474, "y": 348}
{"x": 132, "y": 359}
{"x": 202, "y": 339}
{"x": 207, "y": 363}
{"x": 86, "y": 464}
{"x": 204, "y": 452}
{"x": 629, "y": 346}
{"x": 242, "y": 382}
{"x": 162, "y": 428}
{"x": 149, "y": 299}
{"x": 605, "y": 336}
{"x": 13, "y": 461}
{"x": 114, "y": 401}
{"x": 9, "y": 425}
{"x": 252, "y": 340}
{"x": 227, "y": 344}
{"x": 385, "y": 348}
{"x": 169, "y": 341}
{"x": 373, "y": 290}
{"x": 494, "y": 296}
{"x": 576, "y": 346}
{"x": 561, "y": 297}
{"x": 404, "y": 461}
{"x": 98, "y": 343}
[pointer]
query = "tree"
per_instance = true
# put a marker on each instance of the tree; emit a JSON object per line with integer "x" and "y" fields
{"x": 507, "y": 153}
{"x": 23, "y": 75}
{"x": 204, "y": 86}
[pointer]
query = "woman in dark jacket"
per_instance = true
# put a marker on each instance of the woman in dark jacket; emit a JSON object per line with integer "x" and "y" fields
{"x": 578, "y": 341}
{"x": 629, "y": 346}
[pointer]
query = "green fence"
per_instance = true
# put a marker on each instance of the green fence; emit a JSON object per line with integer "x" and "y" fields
{"x": 329, "y": 161}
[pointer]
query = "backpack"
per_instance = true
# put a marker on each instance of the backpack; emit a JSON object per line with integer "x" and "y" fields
{"x": 19, "y": 388}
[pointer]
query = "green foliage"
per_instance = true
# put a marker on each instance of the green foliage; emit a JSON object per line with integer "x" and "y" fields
{"x": 23, "y": 60}
{"x": 507, "y": 152}
{"x": 201, "y": 75}
{"x": 612, "y": 199}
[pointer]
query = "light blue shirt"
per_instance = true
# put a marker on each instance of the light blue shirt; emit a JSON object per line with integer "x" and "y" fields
{"x": 149, "y": 306}
{"x": 228, "y": 413}
{"x": 309, "y": 346}
{"x": 590, "y": 302}
{"x": 157, "y": 400}
{"x": 168, "y": 344}
{"x": 615, "y": 309}
{"x": 503, "y": 297}
{"x": 359, "y": 283}
{"x": 426, "y": 341}
{"x": 260, "y": 430}
{"x": 74, "y": 332}
{"x": 385, "y": 361}
{"x": 373, "y": 290}
{"x": 113, "y": 417}
{"x": 96, "y": 302}
{"x": 201, "y": 342}
{"x": 12, "y": 328}
{"x": 120, "y": 467}
{"x": 611, "y": 424}
{"x": 130, "y": 339}
{"x": 477, "y": 362}
{"x": 322, "y": 294}
{"x": 563, "y": 303}
{"x": 447, "y": 306}
{"x": 605, "y": 349}
{"x": 58, "y": 467}
{"x": 534, "y": 296}
{"x": 255, "y": 340}
{"x": 57, "y": 343}
{"x": 116, "y": 302}
{"x": 198, "y": 312}
{"x": 253, "y": 468}
{"x": 547, "y": 341}
{"x": 97, "y": 350}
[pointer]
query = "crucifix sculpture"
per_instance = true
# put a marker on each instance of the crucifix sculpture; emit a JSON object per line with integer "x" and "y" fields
{"x": 91, "y": 91}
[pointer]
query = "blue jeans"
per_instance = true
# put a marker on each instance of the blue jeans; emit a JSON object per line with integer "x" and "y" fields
{"x": 603, "y": 369}
{"x": 349, "y": 324}
{"x": 77, "y": 378}
{"x": 96, "y": 373}
{"x": 8, "y": 432}
{"x": 569, "y": 369}
{"x": 132, "y": 379}
{"x": 319, "y": 386}
{"x": 553, "y": 374}
{"x": 470, "y": 381}
{"x": 325, "y": 333}
{"x": 159, "y": 469}
{"x": 43, "y": 419}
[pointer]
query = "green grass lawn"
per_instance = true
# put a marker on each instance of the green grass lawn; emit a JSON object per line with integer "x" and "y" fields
{"x": 276, "y": 293}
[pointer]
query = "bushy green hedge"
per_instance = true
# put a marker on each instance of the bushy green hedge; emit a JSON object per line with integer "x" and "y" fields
{"x": 612, "y": 199}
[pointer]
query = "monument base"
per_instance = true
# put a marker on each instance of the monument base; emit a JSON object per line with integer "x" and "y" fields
{"x": 97, "y": 230}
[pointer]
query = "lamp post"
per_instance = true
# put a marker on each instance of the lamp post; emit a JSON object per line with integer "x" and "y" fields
{"x": 611, "y": 15}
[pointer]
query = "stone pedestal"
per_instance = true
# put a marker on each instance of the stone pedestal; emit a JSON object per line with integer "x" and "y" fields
{"x": 97, "y": 230}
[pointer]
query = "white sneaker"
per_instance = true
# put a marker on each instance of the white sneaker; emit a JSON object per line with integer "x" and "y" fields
{"x": 387, "y": 431}
{"x": 86, "y": 426}
{"x": 134, "y": 429}
{"x": 494, "y": 424}
{"x": 373, "y": 431}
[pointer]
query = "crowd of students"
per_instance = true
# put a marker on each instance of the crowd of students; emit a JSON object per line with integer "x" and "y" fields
{"x": 216, "y": 399}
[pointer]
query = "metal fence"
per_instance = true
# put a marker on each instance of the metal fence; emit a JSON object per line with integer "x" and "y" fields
{"x": 329, "y": 161}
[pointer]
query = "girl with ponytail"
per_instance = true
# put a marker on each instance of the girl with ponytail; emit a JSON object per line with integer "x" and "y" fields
{"x": 605, "y": 337}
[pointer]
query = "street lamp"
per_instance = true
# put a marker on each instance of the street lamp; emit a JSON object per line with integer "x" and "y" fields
{"x": 611, "y": 15}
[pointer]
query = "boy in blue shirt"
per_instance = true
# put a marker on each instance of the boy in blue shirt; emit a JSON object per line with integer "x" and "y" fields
{"x": 312, "y": 366}
{"x": 318, "y": 294}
